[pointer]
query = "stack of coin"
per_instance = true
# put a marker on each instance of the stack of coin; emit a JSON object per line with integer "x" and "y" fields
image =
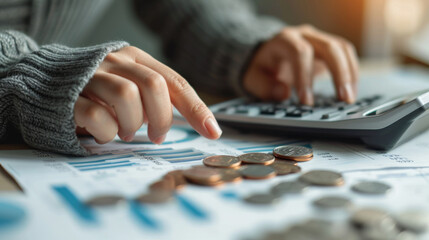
{"x": 295, "y": 153}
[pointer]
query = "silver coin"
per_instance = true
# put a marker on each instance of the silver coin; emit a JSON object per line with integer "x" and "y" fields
{"x": 257, "y": 158}
{"x": 371, "y": 187}
{"x": 290, "y": 187}
{"x": 413, "y": 220}
{"x": 322, "y": 178}
{"x": 292, "y": 152}
{"x": 104, "y": 200}
{"x": 333, "y": 202}
{"x": 261, "y": 198}
{"x": 257, "y": 172}
{"x": 373, "y": 218}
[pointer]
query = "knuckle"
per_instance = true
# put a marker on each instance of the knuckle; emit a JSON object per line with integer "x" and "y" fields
{"x": 303, "y": 50}
{"x": 130, "y": 49}
{"x": 332, "y": 46}
{"x": 199, "y": 109}
{"x": 113, "y": 58}
{"x": 306, "y": 27}
{"x": 154, "y": 82}
{"x": 127, "y": 90}
{"x": 180, "y": 84}
{"x": 93, "y": 113}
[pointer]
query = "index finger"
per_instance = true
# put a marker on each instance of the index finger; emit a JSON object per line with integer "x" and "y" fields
{"x": 184, "y": 98}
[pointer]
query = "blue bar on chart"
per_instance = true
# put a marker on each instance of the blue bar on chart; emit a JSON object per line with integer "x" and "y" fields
{"x": 82, "y": 211}
{"x": 105, "y": 163}
{"x": 174, "y": 155}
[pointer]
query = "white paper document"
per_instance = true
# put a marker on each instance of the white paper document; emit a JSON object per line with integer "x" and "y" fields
{"x": 55, "y": 187}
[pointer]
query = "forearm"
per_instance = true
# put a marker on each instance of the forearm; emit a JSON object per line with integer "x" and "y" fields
{"x": 209, "y": 42}
{"x": 39, "y": 87}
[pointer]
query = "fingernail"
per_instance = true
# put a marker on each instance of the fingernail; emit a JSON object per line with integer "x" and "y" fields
{"x": 129, "y": 138}
{"x": 213, "y": 127}
{"x": 278, "y": 92}
{"x": 160, "y": 139}
{"x": 306, "y": 95}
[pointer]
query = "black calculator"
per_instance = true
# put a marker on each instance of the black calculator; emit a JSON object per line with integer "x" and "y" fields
{"x": 380, "y": 122}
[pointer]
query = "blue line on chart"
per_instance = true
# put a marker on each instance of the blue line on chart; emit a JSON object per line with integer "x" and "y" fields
{"x": 141, "y": 213}
{"x": 187, "y": 160}
{"x": 182, "y": 156}
{"x": 191, "y": 208}
{"x": 79, "y": 208}
{"x": 170, "y": 152}
{"x": 152, "y": 150}
{"x": 107, "y": 167}
{"x": 91, "y": 157}
{"x": 101, "y": 164}
{"x": 106, "y": 159}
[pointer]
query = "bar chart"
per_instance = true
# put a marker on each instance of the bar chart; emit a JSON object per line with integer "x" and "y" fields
{"x": 109, "y": 161}
{"x": 174, "y": 155}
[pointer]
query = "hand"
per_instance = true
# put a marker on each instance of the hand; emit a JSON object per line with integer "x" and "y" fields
{"x": 131, "y": 88}
{"x": 294, "y": 57}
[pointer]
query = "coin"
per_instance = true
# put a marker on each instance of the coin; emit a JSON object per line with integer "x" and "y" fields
{"x": 286, "y": 161}
{"x": 257, "y": 158}
{"x": 104, "y": 200}
{"x": 371, "y": 187}
{"x": 230, "y": 175}
{"x": 373, "y": 218}
{"x": 333, "y": 202}
{"x": 297, "y": 153}
{"x": 260, "y": 198}
{"x": 155, "y": 197}
{"x": 257, "y": 172}
{"x": 413, "y": 220}
{"x": 203, "y": 176}
{"x": 179, "y": 179}
{"x": 222, "y": 161}
{"x": 283, "y": 168}
{"x": 166, "y": 184}
{"x": 322, "y": 178}
{"x": 290, "y": 187}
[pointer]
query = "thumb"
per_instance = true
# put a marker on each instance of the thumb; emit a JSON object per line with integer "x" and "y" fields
{"x": 265, "y": 85}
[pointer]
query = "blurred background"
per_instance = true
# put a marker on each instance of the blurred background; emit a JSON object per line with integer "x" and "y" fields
{"x": 380, "y": 29}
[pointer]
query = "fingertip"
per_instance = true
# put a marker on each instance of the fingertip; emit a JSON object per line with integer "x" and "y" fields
{"x": 306, "y": 96}
{"x": 212, "y": 128}
{"x": 159, "y": 140}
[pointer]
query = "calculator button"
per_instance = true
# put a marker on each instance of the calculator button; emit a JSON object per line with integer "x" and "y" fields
{"x": 330, "y": 115}
{"x": 297, "y": 113}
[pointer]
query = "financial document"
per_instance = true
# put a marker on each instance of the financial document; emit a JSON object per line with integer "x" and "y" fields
{"x": 55, "y": 187}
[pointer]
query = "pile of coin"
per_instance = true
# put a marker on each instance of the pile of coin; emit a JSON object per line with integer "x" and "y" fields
{"x": 365, "y": 223}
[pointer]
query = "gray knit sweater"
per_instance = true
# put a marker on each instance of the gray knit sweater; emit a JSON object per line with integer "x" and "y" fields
{"x": 208, "y": 42}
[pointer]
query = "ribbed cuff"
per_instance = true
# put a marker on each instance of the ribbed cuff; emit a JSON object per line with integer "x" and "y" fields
{"x": 47, "y": 83}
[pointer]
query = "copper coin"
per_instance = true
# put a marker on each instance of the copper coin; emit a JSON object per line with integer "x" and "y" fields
{"x": 222, "y": 161}
{"x": 155, "y": 197}
{"x": 257, "y": 158}
{"x": 230, "y": 175}
{"x": 203, "y": 175}
{"x": 282, "y": 168}
{"x": 322, "y": 178}
{"x": 179, "y": 179}
{"x": 293, "y": 152}
{"x": 257, "y": 172}
{"x": 163, "y": 185}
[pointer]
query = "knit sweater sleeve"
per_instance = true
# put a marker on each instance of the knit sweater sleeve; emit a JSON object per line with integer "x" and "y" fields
{"x": 208, "y": 41}
{"x": 39, "y": 86}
